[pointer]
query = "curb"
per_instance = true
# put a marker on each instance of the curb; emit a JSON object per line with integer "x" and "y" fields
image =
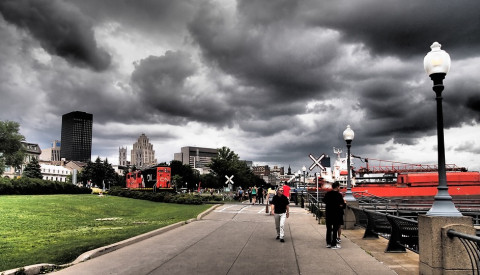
{"x": 35, "y": 269}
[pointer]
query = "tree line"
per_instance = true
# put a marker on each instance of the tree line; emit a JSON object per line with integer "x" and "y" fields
{"x": 100, "y": 173}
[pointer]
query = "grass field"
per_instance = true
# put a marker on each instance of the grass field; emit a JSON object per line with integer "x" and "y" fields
{"x": 57, "y": 228}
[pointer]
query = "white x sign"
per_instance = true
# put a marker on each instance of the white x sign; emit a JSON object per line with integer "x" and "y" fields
{"x": 229, "y": 179}
{"x": 316, "y": 162}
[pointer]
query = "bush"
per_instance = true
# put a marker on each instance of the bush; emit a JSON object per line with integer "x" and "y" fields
{"x": 161, "y": 197}
{"x": 31, "y": 186}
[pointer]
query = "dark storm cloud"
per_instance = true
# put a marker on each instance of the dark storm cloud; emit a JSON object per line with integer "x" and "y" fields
{"x": 391, "y": 109}
{"x": 284, "y": 76}
{"x": 60, "y": 28}
{"x": 402, "y": 27}
{"x": 163, "y": 86}
{"x": 282, "y": 59}
{"x": 473, "y": 102}
{"x": 162, "y": 18}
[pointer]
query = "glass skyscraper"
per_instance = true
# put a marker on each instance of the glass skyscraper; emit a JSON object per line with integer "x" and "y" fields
{"x": 76, "y": 136}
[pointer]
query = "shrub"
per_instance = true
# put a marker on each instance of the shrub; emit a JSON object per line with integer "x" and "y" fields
{"x": 160, "y": 197}
{"x": 32, "y": 186}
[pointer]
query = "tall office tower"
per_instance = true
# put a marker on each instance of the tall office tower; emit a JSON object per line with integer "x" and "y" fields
{"x": 76, "y": 136}
{"x": 122, "y": 156}
{"x": 142, "y": 154}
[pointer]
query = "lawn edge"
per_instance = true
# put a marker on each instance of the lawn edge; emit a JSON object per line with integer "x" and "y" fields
{"x": 35, "y": 269}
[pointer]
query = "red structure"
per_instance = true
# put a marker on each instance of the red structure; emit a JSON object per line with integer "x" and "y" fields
{"x": 158, "y": 177}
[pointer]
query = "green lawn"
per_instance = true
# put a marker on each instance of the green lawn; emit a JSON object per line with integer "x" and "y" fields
{"x": 57, "y": 228}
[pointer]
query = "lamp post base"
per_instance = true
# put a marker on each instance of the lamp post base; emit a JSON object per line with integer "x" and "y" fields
{"x": 446, "y": 209}
{"x": 349, "y": 196}
{"x": 443, "y": 206}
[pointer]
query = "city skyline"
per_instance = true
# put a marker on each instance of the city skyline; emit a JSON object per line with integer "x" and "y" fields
{"x": 274, "y": 81}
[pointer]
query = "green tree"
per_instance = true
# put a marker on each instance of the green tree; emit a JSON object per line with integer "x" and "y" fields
{"x": 100, "y": 172}
{"x": 110, "y": 177}
{"x": 185, "y": 174}
{"x": 33, "y": 170}
{"x": 86, "y": 174}
{"x": 12, "y": 152}
{"x": 227, "y": 163}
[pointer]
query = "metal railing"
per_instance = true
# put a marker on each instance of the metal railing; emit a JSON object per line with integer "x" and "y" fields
{"x": 401, "y": 214}
{"x": 472, "y": 246}
{"x": 401, "y": 233}
{"x": 315, "y": 207}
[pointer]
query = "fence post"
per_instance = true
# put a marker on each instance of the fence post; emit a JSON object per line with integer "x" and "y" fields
{"x": 434, "y": 258}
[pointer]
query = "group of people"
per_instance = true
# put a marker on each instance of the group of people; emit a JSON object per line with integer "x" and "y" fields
{"x": 256, "y": 195}
{"x": 334, "y": 206}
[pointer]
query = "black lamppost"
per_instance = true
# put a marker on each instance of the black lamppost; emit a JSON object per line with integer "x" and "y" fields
{"x": 348, "y": 135}
{"x": 304, "y": 169}
{"x": 302, "y": 202}
{"x": 297, "y": 182}
{"x": 437, "y": 64}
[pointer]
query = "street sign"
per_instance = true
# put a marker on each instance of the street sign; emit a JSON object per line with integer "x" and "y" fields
{"x": 316, "y": 162}
{"x": 229, "y": 179}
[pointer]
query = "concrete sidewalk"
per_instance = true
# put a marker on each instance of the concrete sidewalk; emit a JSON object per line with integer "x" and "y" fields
{"x": 238, "y": 239}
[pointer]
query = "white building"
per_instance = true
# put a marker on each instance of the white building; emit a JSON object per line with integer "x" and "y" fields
{"x": 55, "y": 172}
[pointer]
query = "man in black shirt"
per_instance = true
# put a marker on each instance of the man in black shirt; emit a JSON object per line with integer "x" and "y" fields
{"x": 281, "y": 210}
{"x": 334, "y": 205}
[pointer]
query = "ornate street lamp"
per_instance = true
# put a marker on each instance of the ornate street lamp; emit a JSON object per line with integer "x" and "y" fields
{"x": 348, "y": 135}
{"x": 437, "y": 64}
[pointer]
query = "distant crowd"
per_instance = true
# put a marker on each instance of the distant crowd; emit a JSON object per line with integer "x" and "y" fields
{"x": 259, "y": 195}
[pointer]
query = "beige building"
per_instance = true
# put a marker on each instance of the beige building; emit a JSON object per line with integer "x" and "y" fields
{"x": 142, "y": 154}
{"x": 122, "y": 157}
{"x": 52, "y": 153}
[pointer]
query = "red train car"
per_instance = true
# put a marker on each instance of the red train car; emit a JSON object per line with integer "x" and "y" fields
{"x": 431, "y": 179}
{"x": 158, "y": 177}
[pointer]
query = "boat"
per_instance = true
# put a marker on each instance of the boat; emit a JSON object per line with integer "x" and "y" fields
{"x": 396, "y": 179}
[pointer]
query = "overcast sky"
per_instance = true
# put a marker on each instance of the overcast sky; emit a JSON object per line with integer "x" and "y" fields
{"x": 274, "y": 81}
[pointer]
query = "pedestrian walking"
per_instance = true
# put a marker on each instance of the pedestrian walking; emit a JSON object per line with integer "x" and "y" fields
{"x": 286, "y": 190}
{"x": 254, "y": 195}
{"x": 281, "y": 210}
{"x": 260, "y": 195}
{"x": 240, "y": 194}
{"x": 334, "y": 205}
{"x": 250, "y": 194}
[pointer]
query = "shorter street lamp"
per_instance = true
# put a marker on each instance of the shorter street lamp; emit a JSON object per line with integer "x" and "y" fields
{"x": 304, "y": 169}
{"x": 348, "y": 135}
{"x": 302, "y": 202}
{"x": 297, "y": 175}
{"x": 437, "y": 64}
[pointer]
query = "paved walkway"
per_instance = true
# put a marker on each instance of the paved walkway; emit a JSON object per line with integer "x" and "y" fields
{"x": 240, "y": 239}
